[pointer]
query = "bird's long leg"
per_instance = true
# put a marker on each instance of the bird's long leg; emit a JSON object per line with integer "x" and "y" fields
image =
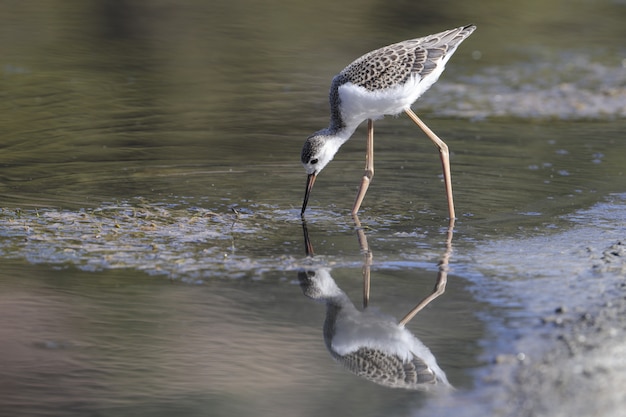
{"x": 442, "y": 278}
{"x": 445, "y": 158}
{"x": 369, "y": 167}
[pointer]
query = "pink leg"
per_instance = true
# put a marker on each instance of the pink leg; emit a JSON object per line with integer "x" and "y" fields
{"x": 369, "y": 167}
{"x": 445, "y": 158}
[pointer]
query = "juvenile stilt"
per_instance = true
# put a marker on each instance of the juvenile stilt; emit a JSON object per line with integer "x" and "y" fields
{"x": 386, "y": 81}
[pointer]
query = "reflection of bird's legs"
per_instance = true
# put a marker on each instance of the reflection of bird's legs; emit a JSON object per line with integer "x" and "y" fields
{"x": 367, "y": 261}
{"x": 442, "y": 278}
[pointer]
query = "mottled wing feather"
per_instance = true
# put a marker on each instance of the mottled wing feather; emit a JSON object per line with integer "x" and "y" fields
{"x": 394, "y": 64}
{"x": 388, "y": 370}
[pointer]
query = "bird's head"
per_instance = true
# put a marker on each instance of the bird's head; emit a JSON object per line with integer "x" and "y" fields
{"x": 318, "y": 150}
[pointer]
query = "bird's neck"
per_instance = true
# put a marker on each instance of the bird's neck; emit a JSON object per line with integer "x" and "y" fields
{"x": 338, "y": 135}
{"x": 339, "y": 126}
{"x": 336, "y": 120}
{"x": 339, "y": 131}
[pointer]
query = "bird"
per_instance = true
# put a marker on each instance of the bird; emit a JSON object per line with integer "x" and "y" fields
{"x": 369, "y": 343}
{"x": 386, "y": 81}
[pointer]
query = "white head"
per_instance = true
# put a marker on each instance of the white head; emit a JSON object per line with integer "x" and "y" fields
{"x": 318, "y": 284}
{"x": 318, "y": 150}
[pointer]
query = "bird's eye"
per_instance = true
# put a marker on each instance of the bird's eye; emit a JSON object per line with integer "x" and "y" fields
{"x": 313, "y": 161}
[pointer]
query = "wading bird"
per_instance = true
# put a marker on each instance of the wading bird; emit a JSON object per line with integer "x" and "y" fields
{"x": 386, "y": 81}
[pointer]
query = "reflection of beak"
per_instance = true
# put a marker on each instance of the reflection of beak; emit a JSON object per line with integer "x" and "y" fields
{"x": 310, "y": 180}
{"x": 308, "y": 247}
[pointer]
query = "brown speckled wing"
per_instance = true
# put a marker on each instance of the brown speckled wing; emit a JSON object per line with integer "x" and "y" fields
{"x": 388, "y": 370}
{"x": 394, "y": 64}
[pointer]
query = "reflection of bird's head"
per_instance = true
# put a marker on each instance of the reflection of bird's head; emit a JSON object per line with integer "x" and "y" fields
{"x": 318, "y": 284}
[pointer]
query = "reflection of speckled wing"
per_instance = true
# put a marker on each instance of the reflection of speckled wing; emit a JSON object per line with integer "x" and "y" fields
{"x": 394, "y": 64}
{"x": 388, "y": 370}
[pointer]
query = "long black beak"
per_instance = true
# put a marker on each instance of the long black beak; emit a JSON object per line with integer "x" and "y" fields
{"x": 310, "y": 180}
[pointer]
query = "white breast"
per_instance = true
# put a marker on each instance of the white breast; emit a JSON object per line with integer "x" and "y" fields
{"x": 359, "y": 104}
{"x": 355, "y": 329}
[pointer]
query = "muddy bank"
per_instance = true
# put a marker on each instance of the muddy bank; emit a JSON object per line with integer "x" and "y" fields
{"x": 584, "y": 373}
{"x": 563, "y": 352}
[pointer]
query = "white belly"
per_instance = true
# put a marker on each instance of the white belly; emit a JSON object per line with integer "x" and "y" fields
{"x": 359, "y": 104}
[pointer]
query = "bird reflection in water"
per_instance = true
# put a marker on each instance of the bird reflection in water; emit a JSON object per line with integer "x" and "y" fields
{"x": 369, "y": 343}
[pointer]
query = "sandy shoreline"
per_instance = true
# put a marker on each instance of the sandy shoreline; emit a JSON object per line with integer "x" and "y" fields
{"x": 574, "y": 361}
{"x": 567, "y": 355}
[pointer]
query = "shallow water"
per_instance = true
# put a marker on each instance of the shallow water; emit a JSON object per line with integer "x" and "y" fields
{"x": 150, "y": 190}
